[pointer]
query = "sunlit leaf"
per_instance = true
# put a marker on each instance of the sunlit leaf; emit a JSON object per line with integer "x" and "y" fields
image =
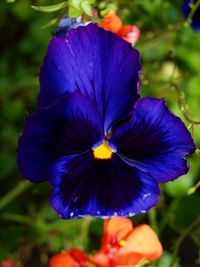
{"x": 191, "y": 191}
{"x": 10, "y": 1}
{"x": 78, "y": 7}
{"x": 51, "y": 8}
{"x": 86, "y": 8}
{"x": 74, "y": 12}
{"x": 75, "y": 3}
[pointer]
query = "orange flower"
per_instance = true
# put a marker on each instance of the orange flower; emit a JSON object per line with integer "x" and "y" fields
{"x": 123, "y": 244}
{"x": 113, "y": 23}
{"x": 7, "y": 263}
{"x": 72, "y": 258}
{"x": 130, "y": 33}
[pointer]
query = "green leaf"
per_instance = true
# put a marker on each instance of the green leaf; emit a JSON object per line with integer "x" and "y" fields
{"x": 74, "y": 3}
{"x": 180, "y": 187}
{"x": 77, "y": 7}
{"x": 164, "y": 261}
{"x": 49, "y": 23}
{"x": 87, "y": 8}
{"x": 74, "y": 9}
{"x": 187, "y": 211}
{"x": 191, "y": 191}
{"x": 10, "y": 1}
{"x": 74, "y": 12}
{"x": 51, "y": 8}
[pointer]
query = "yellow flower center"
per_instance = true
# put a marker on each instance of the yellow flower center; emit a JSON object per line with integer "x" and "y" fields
{"x": 122, "y": 243}
{"x": 103, "y": 151}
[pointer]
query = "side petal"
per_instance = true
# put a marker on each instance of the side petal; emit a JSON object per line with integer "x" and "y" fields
{"x": 70, "y": 127}
{"x": 154, "y": 140}
{"x": 96, "y": 63}
{"x": 105, "y": 188}
{"x": 141, "y": 244}
{"x": 186, "y": 7}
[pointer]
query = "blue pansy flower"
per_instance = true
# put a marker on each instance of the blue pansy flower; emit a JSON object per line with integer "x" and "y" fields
{"x": 102, "y": 148}
{"x": 195, "y": 20}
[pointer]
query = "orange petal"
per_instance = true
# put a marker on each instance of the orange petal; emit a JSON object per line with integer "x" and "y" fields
{"x": 78, "y": 255}
{"x": 116, "y": 229}
{"x": 102, "y": 260}
{"x": 7, "y": 263}
{"x": 111, "y": 22}
{"x": 130, "y": 33}
{"x": 62, "y": 260}
{"x": 141, "y": 244}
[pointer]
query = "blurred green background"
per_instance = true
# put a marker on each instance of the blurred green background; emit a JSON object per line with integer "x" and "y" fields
{"x": 30, "y": 230}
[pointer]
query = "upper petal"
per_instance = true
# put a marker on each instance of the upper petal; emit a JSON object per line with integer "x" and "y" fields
{"x": 96, "y": 63}
{"x": 70, "y": 127}
{"x": 154, "y": 140}
{"x": 104, "y": 188}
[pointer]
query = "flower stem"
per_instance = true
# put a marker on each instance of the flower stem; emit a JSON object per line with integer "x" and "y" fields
{"x": 17, "y": 218}
{"x": 183, "y": 105}
{"x": 84, "y": 230}
{"x": 184, "y": 234}
{"x": 194, "y": 7}
{"x": 153, "y": 220}
{"x": 21, "y": 187}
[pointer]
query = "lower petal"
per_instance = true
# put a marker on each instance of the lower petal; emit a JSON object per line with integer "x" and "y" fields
{"x": 105, "y": 188}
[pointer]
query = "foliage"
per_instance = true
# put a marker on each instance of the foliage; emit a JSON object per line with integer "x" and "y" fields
{"x": 30, "y": 230}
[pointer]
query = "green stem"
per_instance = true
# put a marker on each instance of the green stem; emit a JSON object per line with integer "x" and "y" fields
{"x": 17, "y": 218}
{"x": 183, "y": 105}
{"x": 167, "y": 216}
{"x": 184, "y": 234}
{"x": 84, "y": 230}
{"x": 193, "y": 10}
{"x": 21, "y": 187}
{"x": 153, "y": 219}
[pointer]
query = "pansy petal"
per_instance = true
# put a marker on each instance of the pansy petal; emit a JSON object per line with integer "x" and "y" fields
{"x": 96, "y": 63}
{"x": 154, "y": 140}
{"x": 195, "y": 20}
{"x": 70, "y": 127}
{"x": 105, "y": 188}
